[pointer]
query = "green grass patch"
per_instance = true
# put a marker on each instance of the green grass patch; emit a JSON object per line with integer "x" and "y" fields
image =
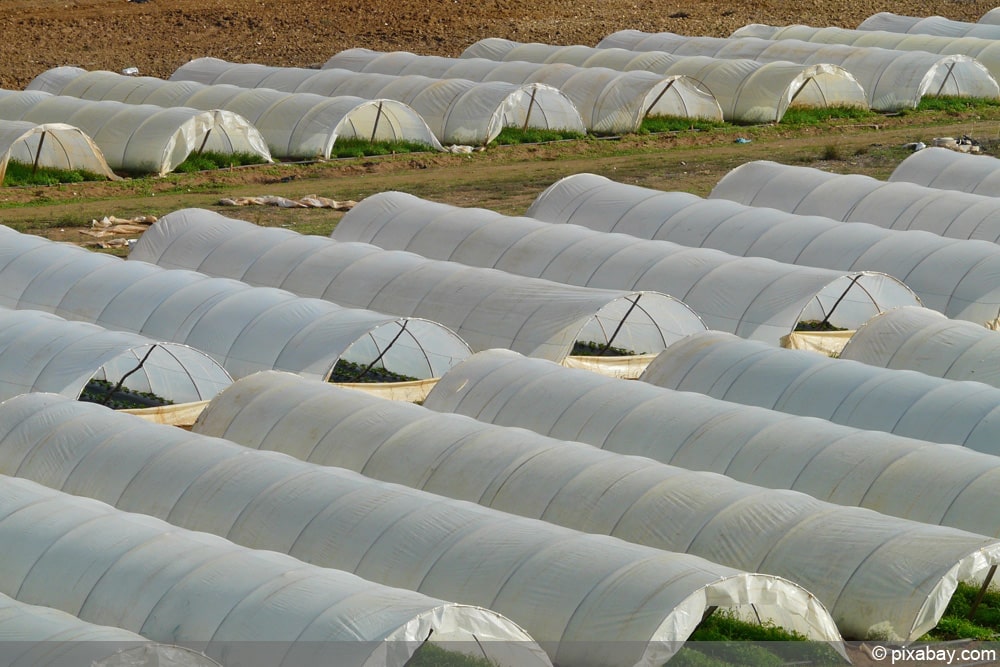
{"x": 956, "y": 624}
{"x": 432, "y": 655}
{"x": 725, "y": 627}
{"x": 510, "y": 136}
{"x": 957, "y": 105}
{"x": 353, "y": 147}
{"x": 722, "y": 640}
{"x": 211, "y": 160}
{"x": 660, "y": 124}
{"x": 801, "y": 116}
{"x": 19, "y": 173}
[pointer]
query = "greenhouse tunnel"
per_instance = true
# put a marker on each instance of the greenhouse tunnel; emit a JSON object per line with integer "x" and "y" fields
{"x": 747, "y": 91}
{"x": 985, "y": 51}
{"x": 892, "y": 79}
{"x": 38, "y": 636}
{"x": 610, "y": 101}
{"x": 588, "y": 599}
{"x": 752, "y": 297}
{"x": 458, "y": 111}
{"x": 140, "y": 139}
{"x": 945, "y": 169}
{"x": 295, "y": 125}
{"x": 904, "y": 477}
{"x": 246, "y": 329}
{"x": 239, "y": 605}
{"x": 44, "y": 352}
{"x": 52, "y": 145}
{"x": 487, "y": 308}
{"x": 860, "y": 395}
{"x": 929, "y": 25}
{"x": 924, "y": 340}
{"x": 858, "y": 198}
{"x": 634, "y": 498}
{"x": 956, "y": 277}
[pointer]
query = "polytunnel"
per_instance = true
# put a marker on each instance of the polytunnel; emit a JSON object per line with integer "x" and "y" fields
{"x": 861, "y": 395}
{"x": 295, "y": 125}
{"x": 903, "y": 477}
{"x": 609, "y": 101}
{"x": 37, "y": 636}
{"x": 245, "y": 329}
{"x": 928, "y": 25}
{"x": 956, "y": 277}
{"x": 892, "y": 79}
{"x": 747, "y": 91}
{"x": 589, "y": 599}
{"x": 992, "y": 17}
{"x": 923, "y": 340}
{"x": 237, "y": 604}
{"x": 945, "y": 169}
{"x": 142, "y": 139}
{"x": 41, "y": 352}
{"x": 486, "y": 308}
{"x": 985, "y": 51}
{"x": 859, "y": 198}
{"x": 54, "y": 145}
{"x": 633, "y": 498}
{"x": 752, "y": 297}
{"x": 458, "y": 111}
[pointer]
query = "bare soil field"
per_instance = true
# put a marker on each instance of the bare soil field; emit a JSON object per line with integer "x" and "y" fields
{"x": 157, "y": 36}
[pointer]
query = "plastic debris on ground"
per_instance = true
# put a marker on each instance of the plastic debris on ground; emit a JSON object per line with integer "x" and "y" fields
{"x": 309, "y": 201}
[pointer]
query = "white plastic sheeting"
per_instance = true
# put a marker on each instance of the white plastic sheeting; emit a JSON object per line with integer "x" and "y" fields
{"x": 55, "y": 145}
{"x": 992, "y": 17}
{"x": 858, "y": 198}
{"x": 634, "y": 498}
{"x": 486, "y": 308}
{"x": 253, "y": 607}
{"x": 295, "y": 125}
{"x": 752, "y": 297}
{"x": 143, "y": 139}
{"x": 609, "y": 101}
{"x": 43, "y": 352}
{"x": 985, "y": 51}
{"x": 904, "y": 477}
{"x": 929, "y": 25}
{"x": 956, "y": 277}
{"x": 892, "y": 79}
{"x": 846, "y": 392}
{"x": 747, "y": 91}
{"x": 922, "y": 340}
{"x": 458, "y": 111}
{"x": 946, "y": 169}
{"x": 245, "y": 329}
{"x": 35, "y": 636}
{"x": 590, "y": 599}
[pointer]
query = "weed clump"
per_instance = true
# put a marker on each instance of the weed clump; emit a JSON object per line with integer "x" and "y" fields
{"x": 19, "y": 173}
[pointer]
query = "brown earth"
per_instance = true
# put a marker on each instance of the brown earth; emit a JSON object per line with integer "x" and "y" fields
{"x": 157, "y": 36}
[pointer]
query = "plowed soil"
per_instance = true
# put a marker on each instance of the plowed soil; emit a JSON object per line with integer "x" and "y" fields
{"x": 157, "y": 36}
